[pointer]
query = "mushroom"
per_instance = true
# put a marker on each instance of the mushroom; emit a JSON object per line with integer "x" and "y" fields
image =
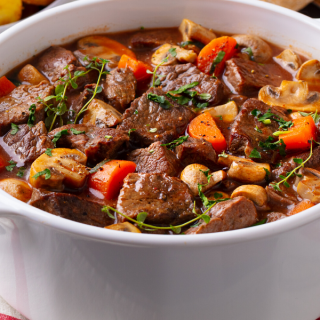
{"x": 193, "y": 31}
{"x": 294, "y": 95}
{"x": 30, "y": 75}
{"x": 124, "y": 226}
{"x": 101, "y": 114}
{"x": 17, "y": 188}
{"x": 193, "y": 175}
{"x": 289, "y": 60}
{"x": 64, "y": 167}
{"x": 249, "y": 172}
{"x": 310, "y": 72}
{"x": 227, "y": 111}
{"x": 261, "y": 51}
{"x": 255, "y": 193}
{"x": 295, "y": 115}
{"x": 308, "y": 187}
{"x": 227, "y": 159}
{"x": 183, "y": 55}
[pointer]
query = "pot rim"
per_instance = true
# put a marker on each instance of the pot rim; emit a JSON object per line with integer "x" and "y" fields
{"x": 28, "y": 212}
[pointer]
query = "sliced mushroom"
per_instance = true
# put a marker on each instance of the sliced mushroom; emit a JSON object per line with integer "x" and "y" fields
{"x": 227, "y": 111}
{"x": 289, "y": 60}
{"x": 255, "y": 193}
{"x": 249, "y": 172}
{"x": 101, "y": 114}
{"x": 183, "y": 55}
{"x": 310, "y": 72}
{"x": 17, "y": 188}
{"x": 193, "y": 31}
{"x": 124, "y": 226}
{"x": 227, "y": 159}
{"x": 294, "y": 95}
{"x": 30, "y": 75}
{"x": 193, "y": 175}
{"x": 66, "y": 167}
{"x": 295, "y": 115}
{"x": 308, "y": 187}
{"x": 261, "y": 51}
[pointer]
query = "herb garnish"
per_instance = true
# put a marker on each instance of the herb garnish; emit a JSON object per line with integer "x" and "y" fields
{"x": 98, "y": 166}
{"x": 14, "y": 128}
{"x": 21, "y": 171}
{"x": 268, "y": 116}
{"x": 270, "y": 145}
{"x": 249, "y": 52}
{"x": 45, "y": 172}
{"x": 76, "y": 132}
{"x": 152, "y": 130}
{"x": 58, "y": 135}
{"x": 164, "y": 103}
{"x": 32, "y": 115}
{"x": 223, "y": 155}
{"x": 198, "y": 44}
{"x": 217, "y": 60}
{"x": 108, "y": 137}
{"x": 171, "y": 145}
{"x": 255, "y": 154}
{"x": 11, "y": 166}
{"x": 48, "y": 152}
{"x": 257, "y": 129}
{"x": 131, "y": 130}
{"x": 315, "y": 116}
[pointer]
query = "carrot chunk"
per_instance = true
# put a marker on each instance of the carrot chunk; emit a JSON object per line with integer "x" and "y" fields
{"x": 213, "y": 56}
{"x": 138, "y": 68}
{"x": 301, "y": 206}
{"x": 203, "y": 126}
{"x": 300, "y": 134}
{"x": 6, "y": 86}
{"x": 109, "y": 178}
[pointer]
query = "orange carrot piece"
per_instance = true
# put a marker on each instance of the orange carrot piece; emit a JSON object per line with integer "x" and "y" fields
{"x": 138, "y": 68}
{"x": 203, "y": 126}
{"x": 300, "y": 135}
{"x": 6, "y": 86}
{"x": 301, "y": 206}
{"x": 211, "y": 58}
{"x": 109, "y": 178}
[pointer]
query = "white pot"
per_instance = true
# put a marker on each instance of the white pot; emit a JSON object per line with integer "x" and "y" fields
{"x": 54, "y": 269}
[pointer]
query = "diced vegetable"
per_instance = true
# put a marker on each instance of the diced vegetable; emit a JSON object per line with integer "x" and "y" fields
{"x": 255, "y": 193}
{"x": 227, "y": 112}
{"x": 30, "y": 75}
{"x": 109, "y": 178}
{"x": 138, "y": 67}
{"x": 17, "y": 188}
{"x": 301, "y": 206}
{"x": 213, "y": 56}
{"x": 203, "y": 126}
{"x": 300, "y": 135}
{"x": 308, "y": 187}
{"x": 6, "y": 86}
{"x": 10, "y": 11}
{"x": 248, "y": 172}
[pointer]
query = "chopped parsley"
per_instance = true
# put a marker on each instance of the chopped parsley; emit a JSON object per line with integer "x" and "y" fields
{"x": 270, "y": 145}
{"x": 164, "y": 103}
{"x": 21, "y": 172}
{"x": 171, "y": 145}
{"x": 223, "y": 155}
{"x": 98, "y": 166}
{"x": 58, "y": 135}
{"x": 11, "y": 166}
{"x": 76, "y": 132}
{"x": 32, "y": 115}
{"x": 108, "y": 137}
{"x": 48, "y": 152}
{"x": 14, "y": 128}
{"x": 217, "y": 60}
{"x": 130, "y": 131}
{"x": 45, "y": 172}
{"x": 255, "y": 154}
{"x": 249, "y": 52}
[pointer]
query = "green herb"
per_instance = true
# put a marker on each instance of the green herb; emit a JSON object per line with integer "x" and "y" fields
{"x": 58, "y": 135}
{"x": 198, "y": 44}
{"x": 257, "y": 129}
{"x": 136, "y": 112}
{"x": 21, "y": 171}
{"x": 11, "y": 166}
{"x": 142, "y": 28}
{"x": 45, "y": 172}
{"x": 184, "y": 88}
{"x": 255, "y": 112}
{"x": 279, "y": 133}
{"x": 223, "y": 155}
{"x": 152, "y": 130}
{"x": 255, "y": 154}
{"x": 217, "y": 60}
{"x": 218, "y": 195}
{"x": 98, "y": 166}
{"x": 206, "y": 202}
{"x": 48, "y": 152}
{"x": 267, "y": 172}
{"x": 206, "y": 173}
{"x": 249, "y": 52}
{"x": 267, "y": 121}
{"x": 32, "y": 115}
{"x": 108, "y": 137}
{"x": 164, "y": 103}
{"x": 131, "y": 130}
{"x": 151, "y": 151}
{"x": 76, "y": 132}
{"x": 219, "y": 117}
{"x": 14, "y": 129}
{"x": 263, "y": 221}
{"x": 315, "y": 116}
{"x": 268, "y": 116}
{"x": 284, "y": 180}
{"x": 270, "y": 145}
{"x": 204, "y": 96}
{"x": 171, "y": 145}
{"x": 289, "y": 111}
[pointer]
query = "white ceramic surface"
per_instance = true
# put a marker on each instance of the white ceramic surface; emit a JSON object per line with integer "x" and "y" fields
{"x": 79, "y": 272}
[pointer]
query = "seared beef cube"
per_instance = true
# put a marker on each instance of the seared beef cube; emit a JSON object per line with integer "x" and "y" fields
{"x": 275, "y": 216}
{"x": 72, "y": 207}
{"x": 144, "y": 115}
{"x": 238, "y": 99}
{"x": 197, "y": 151}
{"x": 156, "y": 159}
{"x": 151, "y": 39}
{"x": 119, "y": 89}
{"x": 167, "y": 200}
{"x": 14, "y": 108}
{"x": 174, "y": 77}
{"x": 280, "y": 199}
{"x": 247, "y": 77}
{"x": 228, "y": 215}
{"x": 244, "y": 137}
{"x": 29, "y": 143}
{"x": 93, "y": 141}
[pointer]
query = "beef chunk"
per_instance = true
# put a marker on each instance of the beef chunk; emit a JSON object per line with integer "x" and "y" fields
{"x": 14, "y": 108}
{"x": 93, "y": 141}
{"x": 151, "y": 39}
{"x": 228, "y": 215}
{"x": 239, "y": 74}
{"x": 72, "y": 207}
{"x": 276, "y": 199}
{"x": 156, "y": 159}
{"x": 238, "y": 99}
{"x": 274, "y": 216}
{"x": 167, "y": 200}
{"x": 197, "y": 151}
{"x": 174, "y": 77}
{"x": 119, "y": 88}
{"x": 29, "y": 143}
{"x": 244, "y": 137}
{"x": 170, "y": 124}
